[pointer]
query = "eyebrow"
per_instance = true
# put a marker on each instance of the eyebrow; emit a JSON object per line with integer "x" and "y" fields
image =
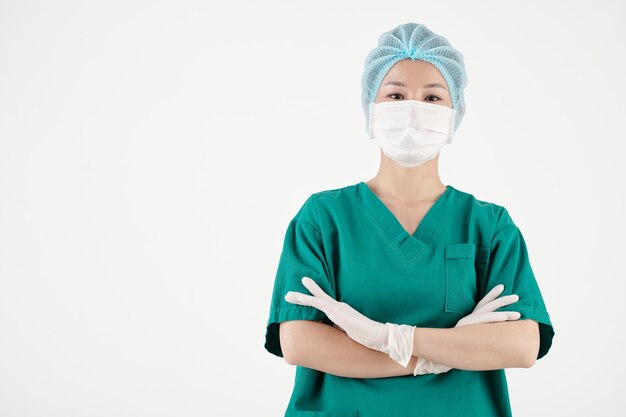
{"x": 398, "y": 83}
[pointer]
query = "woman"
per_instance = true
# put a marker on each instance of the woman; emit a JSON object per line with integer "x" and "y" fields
{"x": 387, "y": 290}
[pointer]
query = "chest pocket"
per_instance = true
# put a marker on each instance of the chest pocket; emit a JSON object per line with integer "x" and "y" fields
{"x": 461, "y": 286}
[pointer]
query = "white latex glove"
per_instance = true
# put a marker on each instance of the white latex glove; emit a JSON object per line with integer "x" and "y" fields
{"x": 484, "y": 312}
{"x": 396, "y": 340}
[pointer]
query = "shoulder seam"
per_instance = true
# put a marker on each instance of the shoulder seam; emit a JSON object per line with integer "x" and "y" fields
{"x": 312, "y": 199}
{"x": 495, "y": 235}
{"x": 503, "y": 211}
{"x": 312, "y": 226}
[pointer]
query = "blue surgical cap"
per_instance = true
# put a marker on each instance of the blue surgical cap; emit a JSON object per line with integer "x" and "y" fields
{"x": 415, "y": 41}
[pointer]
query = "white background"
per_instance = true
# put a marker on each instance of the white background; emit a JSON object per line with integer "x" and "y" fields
{"x": 152, "y": 154}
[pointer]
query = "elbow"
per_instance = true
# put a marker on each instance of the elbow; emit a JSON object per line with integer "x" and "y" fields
{"x": 529, "y": 360}
{"x": 531, "y": 344}
{"x": 295, "y": 340}
{"x": 288, "y": 341}
{"x": 290, "y": 359}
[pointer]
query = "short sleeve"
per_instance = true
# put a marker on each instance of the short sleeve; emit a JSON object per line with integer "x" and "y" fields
{"x": 302, "y": 255}
{"x": 509, "y": 264}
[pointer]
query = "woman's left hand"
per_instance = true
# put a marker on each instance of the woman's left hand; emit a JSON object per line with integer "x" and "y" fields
{"x": 338, "y": 327}
{"x": 396, "y": 340}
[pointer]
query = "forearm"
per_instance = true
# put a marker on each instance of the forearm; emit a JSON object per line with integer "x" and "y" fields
{"x": 324, "y": 348}
{"x": 483, "y": 346}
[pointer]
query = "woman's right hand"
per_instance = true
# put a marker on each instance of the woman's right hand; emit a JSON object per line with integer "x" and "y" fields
{"x": 484, "y": 312}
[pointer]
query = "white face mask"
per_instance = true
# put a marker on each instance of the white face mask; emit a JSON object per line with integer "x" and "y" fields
{"x": 411, "y": 132}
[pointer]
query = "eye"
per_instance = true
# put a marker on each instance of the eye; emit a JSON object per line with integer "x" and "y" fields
{"x": 394, "y": 94}
{"x": 438, "y": 98}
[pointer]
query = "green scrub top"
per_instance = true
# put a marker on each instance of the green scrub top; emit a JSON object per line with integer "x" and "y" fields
{"x": 355, "y": 249}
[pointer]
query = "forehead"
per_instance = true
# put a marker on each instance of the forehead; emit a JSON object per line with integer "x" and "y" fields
{"x": 413, "y": 72}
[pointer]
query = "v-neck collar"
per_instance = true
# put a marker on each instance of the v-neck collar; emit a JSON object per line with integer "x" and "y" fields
{"x": 409, "y": 245}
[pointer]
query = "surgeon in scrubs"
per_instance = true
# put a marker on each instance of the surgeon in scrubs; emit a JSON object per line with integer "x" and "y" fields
{"x": 404, "y": 296}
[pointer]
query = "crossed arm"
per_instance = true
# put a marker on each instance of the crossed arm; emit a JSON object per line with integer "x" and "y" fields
{"x": 484, "y": 346}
